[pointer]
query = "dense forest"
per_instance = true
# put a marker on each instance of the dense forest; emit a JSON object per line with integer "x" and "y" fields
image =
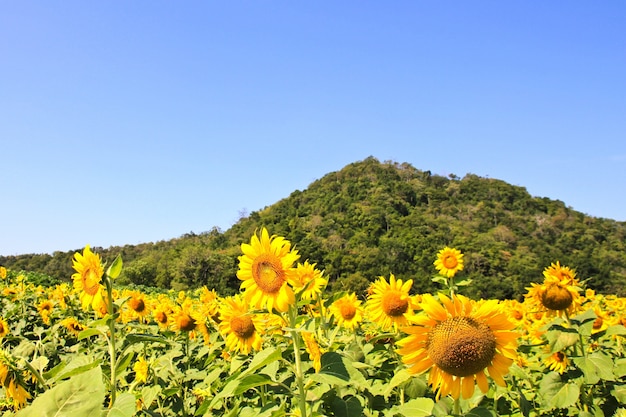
{"x": 374, "y": 218}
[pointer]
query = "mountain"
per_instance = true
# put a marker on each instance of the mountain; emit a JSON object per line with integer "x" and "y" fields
{"x": 375, "y": 218}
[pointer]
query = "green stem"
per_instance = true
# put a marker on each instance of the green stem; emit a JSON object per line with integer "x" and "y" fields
{"x": 295, "y": 335}
{"x": 456, "y": 407}
{"x": 112, "y": 353}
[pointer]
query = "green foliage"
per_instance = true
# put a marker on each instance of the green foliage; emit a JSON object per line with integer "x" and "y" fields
{"x": 373, "y": 218}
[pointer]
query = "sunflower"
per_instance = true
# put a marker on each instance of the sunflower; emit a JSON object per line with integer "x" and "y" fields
{"x": 238, "y": 326}
{"x": 3, "y": 272}
{"x": 137, "y": 306}
{"x": 347, "y": 311}
{"x": 557, "y": 362}
{"x": 559, "y": 292}
{"x": 313, "y": 349}
{"x": 141, "y": 370}
{"x": 209, "y": 304}
{"x": 12, "y": 379}
{"x": 389, "y": 303}
{"x": 449, "y": 261}
{"x": 309, "y": 281}
{"x": 45, "y": 309}
{"x": 88, "y": 278}
{"x": 185, "y": 319}
{"x": 266, "y": 271}
{"x": 4, "y": 328}
{"x": 72, "y": 325}
{"x": 457, "y": 341}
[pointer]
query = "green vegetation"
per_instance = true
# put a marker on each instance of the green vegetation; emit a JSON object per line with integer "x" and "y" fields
{"x": 374, "y": 218}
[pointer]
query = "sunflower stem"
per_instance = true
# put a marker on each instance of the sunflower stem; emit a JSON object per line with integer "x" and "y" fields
{"x": 295, "y": 335}
{"x": 456, "y": 407}
{"x": 111, "y": 340}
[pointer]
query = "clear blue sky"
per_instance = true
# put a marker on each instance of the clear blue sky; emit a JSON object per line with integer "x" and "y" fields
{"x": 124, "y": 122}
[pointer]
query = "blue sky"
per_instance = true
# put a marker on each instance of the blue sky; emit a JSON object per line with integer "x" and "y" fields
{"x": 131, "y": 122}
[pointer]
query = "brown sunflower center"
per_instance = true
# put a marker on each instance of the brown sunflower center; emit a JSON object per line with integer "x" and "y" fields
{"x": 450, "y": 261}
{"x": 161, "y": 317}
{"x": 242, "y": 326}
{"x": 268, "y": 273}
{"x": 347, "y": 310}
{"x": 461, "y": 346}
{"x": 597, "y": 323}
{"x": 186, "y": 322}
{"x": 556, "y": 297}
{"x": 91, "y": 281}
{"x": 394, "y": 304}
{"x": 137, "y": 304}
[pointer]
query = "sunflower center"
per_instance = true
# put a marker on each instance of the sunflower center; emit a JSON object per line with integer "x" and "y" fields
{"x": 91, "y": 282}
{"x": 347, "y": 310}
{"x": 137, "y": 304}
{"x": 242, "y": 326}
{"x": 597, "y": 323}
{"x": 461, "y": 346}
{"x": 450, "y": 261}
{"x": 161, "y": 317}
{"x": 186, "y": 323}
{"x": 556, "y": 297}
{"x": 394, "y": 304}
{"x": 268, "y": 273}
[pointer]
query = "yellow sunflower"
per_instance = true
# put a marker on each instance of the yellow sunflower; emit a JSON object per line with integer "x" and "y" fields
{"x": 557, "y": 362}
{"x": 185, "y": 319}
{"x": 347, "y": 311}
{"x": 4, "y": 328}
{"x": 3, "y": 272}
{"x": 313, "y": 349}
{"x": 88, "y": 278}
{"x": 238, "y": 326}
{"x": 449, "y": 261}
{"x": 266, "y": 269}
{"x": 389, "y": 304}
{"x": 457, "y": 341}
{"x": 309, "y": 281}
{"x": 559, "y": 292}
{"x": 72, "y": 325}
{"x": 45, "y": 309}
{"x": 141, "y": 370}
{"x": 137, "y": 306}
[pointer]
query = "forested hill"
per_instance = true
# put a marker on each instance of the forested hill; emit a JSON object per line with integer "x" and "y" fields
{"x": 374, "y": 218}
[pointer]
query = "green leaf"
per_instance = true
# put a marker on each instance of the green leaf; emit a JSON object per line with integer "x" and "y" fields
{"x": 562, "y": 339}
{"x": 78, "y": 365}
{"x": 332, "y": 364}
{"x": 124, "y": 406}
{"x": 480, "y": 412}
{"x": 114, "y": 270}
{"x": 148, "y": 394}
{"x": 123, "y": 362}
{"x": 262, "y": 359}
{"x": 347, "y": 408}
{"x": 400, "y": 377}
{"x": 619, "y": 392}
{"x": 87, "y": 333}
{"x": 557, "y": 394}
{"x": 80, "y": 396}
{"x": 146, "y": 337}
{"x": 616, "y": 329}
{"x": 252, "y": 381}
{"x": 418, "y": 407}
{"x": 595, "y": 367}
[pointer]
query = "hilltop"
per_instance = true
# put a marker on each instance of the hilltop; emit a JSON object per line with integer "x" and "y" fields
{"x": 375, "y": 218}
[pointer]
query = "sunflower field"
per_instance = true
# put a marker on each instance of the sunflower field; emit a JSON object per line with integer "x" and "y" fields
{"x": 283, "y": 346}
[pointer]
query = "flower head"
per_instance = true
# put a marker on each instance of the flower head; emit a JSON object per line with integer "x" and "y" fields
{"x": 449, "y": 261}
{"x": 558, "y": 293}
{"x": 347, "y": 311}
{"x": 458, "y": 341}
{"x": 266, "y": 268}
{"x": 309, "y": 281}
{"x": 88, "y": 278}
{"x": 389, "y": 303}
{"x": 238, "y": 326}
